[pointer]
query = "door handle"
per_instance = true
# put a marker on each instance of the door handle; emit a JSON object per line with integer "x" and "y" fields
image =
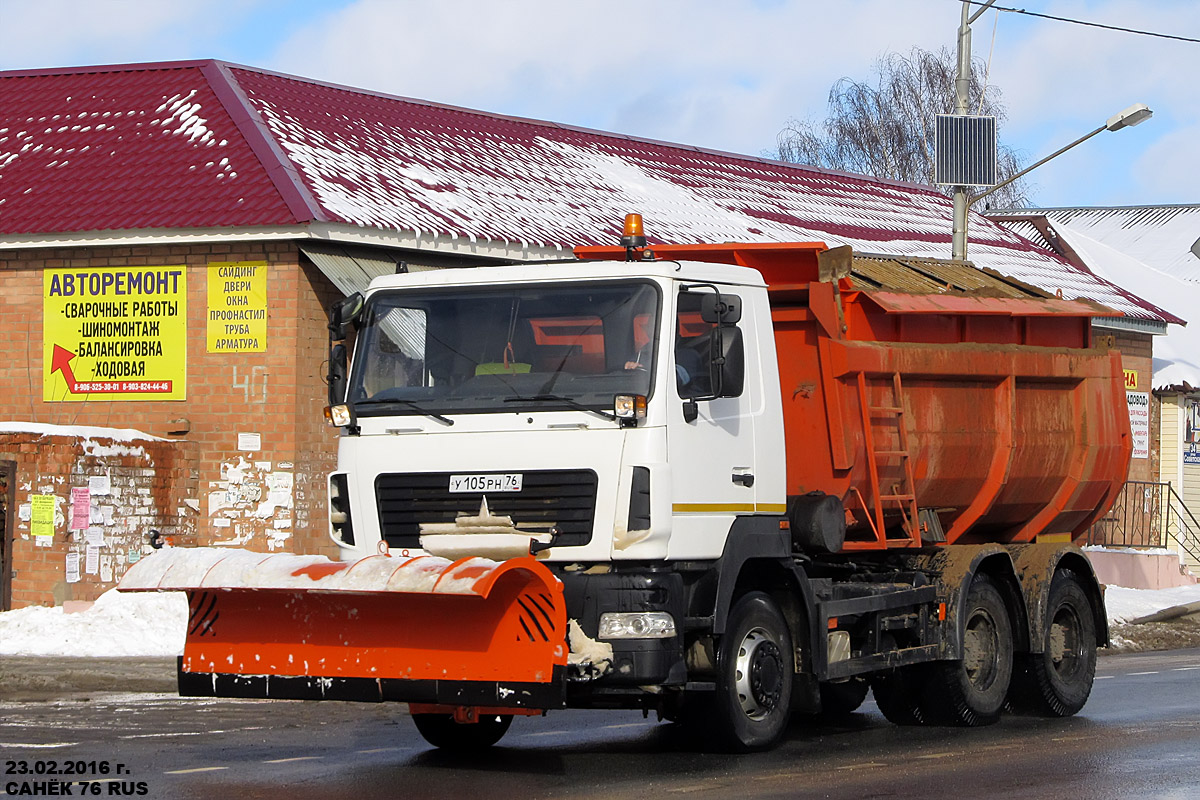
{"x": 744, "y": 479}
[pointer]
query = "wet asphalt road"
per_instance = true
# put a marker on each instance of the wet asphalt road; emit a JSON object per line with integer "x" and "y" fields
{"x": 1139, "y": 736}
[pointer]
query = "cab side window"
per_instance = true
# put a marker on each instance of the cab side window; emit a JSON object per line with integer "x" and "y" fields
{"x": 693, "y": 348}
{"x": 701, "y": 344}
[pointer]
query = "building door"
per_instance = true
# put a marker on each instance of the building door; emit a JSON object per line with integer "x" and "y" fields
{"x": 8, "y": 494}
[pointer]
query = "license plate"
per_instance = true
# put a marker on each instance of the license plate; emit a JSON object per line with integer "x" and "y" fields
{"x": 509, "y": 482}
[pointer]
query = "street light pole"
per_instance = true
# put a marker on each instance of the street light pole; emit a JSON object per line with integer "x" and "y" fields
{"x": 962, "y": 86}
{"x": 1136, "y": 114}
{"x": 1131, "y": 116}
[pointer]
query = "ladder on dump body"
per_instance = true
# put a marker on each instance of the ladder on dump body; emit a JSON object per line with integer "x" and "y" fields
{"x": 902, "y": 494}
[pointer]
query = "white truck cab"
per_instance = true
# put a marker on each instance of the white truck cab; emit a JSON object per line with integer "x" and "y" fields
{"x": 613, "y": 411}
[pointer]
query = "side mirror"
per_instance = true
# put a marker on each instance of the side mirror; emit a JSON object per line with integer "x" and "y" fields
{"x": 337, "y": 374}
{"x": 728, "y": 362}
{"x": 721, "y": 309}
{"x": 343, "y": 313}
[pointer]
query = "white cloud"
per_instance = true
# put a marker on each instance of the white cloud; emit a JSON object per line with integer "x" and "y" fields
{"x": 711, "y": 73}
{"x": 701, "y": 72}
{"x": 1171, "y": 166}
{"x": 1061, "y": 81}
{"x": 48, "y": 33}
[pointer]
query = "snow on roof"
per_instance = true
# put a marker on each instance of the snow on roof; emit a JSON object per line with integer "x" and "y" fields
{"x": 203, "y": 143}
{"x": 80, "y": 431}
{"x": 1176, "y": 355}
{"x": 1160, "y": 236}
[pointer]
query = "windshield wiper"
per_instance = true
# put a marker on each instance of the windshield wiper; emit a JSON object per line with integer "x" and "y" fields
{"x": 413, "y": 404}
{"x": 566, "y": 401}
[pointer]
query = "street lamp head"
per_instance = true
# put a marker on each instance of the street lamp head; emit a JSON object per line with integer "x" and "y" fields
{"x": 1134, "y": 115}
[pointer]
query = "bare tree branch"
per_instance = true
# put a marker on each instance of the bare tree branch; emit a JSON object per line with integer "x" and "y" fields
{"x": 885, "y": 128}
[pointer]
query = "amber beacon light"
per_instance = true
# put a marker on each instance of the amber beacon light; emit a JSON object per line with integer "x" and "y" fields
{"x": 633, "y": 235}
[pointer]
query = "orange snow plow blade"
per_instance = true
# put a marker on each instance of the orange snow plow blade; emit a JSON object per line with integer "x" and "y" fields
{"x": 382, "y": 625}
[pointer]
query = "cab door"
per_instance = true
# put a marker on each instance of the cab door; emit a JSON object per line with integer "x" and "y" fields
{"x": 711, "y": 428}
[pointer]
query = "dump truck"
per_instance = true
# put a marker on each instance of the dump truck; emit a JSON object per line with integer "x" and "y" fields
{"x": 723, "y": 483}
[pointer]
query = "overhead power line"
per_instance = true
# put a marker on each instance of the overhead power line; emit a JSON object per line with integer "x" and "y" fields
{"x": 1089, "y": 24}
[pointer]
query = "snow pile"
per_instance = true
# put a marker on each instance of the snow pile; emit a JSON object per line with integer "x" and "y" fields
{"x": 118, "y": 624}
{"x": 1127, "y": 604}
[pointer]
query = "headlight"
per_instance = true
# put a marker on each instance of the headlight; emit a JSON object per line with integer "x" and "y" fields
{"x": 629, "y": 408}
{"x": 338, "y": 416}
{"x": 636, "y": 625}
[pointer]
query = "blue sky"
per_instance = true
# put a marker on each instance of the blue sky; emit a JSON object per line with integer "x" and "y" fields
{"x": 713, "y": 73}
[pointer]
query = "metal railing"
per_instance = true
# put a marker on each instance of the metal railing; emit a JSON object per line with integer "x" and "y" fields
{"x": 1148, "y": 515}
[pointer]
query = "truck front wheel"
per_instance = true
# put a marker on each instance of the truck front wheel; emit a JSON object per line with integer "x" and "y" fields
{"x": 1057, "y": 681}
{"x": 754, "y": 688}
{"x": 440, "y": 730}
{"x": 972, "y": 691}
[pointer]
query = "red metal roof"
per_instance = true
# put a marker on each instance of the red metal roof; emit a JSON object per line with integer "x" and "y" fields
{"x": 126, "y": 148}
{"x": 206, "y": 144}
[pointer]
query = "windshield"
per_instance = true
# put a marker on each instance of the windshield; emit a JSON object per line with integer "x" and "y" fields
{"x": 537, "y": 347}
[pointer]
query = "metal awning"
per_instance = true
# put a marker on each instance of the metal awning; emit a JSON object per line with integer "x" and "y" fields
{"x": 350, "y": 268}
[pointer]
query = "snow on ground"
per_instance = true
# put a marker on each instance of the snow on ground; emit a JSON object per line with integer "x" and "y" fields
{"x": 151, "y": 624}
{"x": 1127, "y": 604}
{"x": 119, "y": 624}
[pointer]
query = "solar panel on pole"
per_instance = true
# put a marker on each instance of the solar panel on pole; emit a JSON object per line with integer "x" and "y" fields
{"x": 965, "y": 150}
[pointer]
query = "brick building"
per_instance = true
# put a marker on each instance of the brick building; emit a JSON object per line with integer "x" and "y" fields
{"x": 171, "y": 235}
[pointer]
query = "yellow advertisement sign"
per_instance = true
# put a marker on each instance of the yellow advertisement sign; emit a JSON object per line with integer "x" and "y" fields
{"x": 1131, "y": 379}
{"x": 114, "y": 333}
{"x": 237, "y": 307}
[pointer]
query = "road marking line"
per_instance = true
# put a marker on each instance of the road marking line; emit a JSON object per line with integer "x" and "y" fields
{"x": 190, "y": 771}
{"x": 25, "y": 746}
{"x": 383, "y": 750}
{"x": 867, "y": 764}
{"x": 546, "y": 733}
{"x": 629, "y": 725}
{"x": 1183, "y": 669}
{"x": 940, "y": 755}
{"x": 1105, "y": 677}
{"x": 296, "y": 758}
{"x": 1153, "y": 672}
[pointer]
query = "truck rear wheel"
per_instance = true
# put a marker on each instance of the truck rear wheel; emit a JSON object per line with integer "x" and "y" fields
{"x": 440, "y": 730}
{"x": 754, "y": 686}
{"x": 972, "y": 691}
{"x": 843, "y": 697}
{"x": 898, "y": 694}
{"x": 1057, "y": 681}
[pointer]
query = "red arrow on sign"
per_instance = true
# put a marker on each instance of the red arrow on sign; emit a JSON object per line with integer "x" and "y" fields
{"x": 61, "y": 360}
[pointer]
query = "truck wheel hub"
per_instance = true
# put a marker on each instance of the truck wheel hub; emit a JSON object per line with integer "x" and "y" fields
{"x": 759, "y": 671}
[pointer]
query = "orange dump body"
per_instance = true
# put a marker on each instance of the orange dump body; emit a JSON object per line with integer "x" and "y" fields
{"x": 938, "y": 418}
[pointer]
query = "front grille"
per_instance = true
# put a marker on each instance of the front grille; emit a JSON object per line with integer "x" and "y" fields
{"x": 566, "y": 498}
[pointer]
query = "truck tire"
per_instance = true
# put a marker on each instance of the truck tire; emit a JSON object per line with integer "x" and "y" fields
{"x": 898, "y": 694}
{"x": 1057, "y": 681}
{"x": 972, "y": 691}
{"x": 440, "y": 730}
{"x": 754, "y": 685}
